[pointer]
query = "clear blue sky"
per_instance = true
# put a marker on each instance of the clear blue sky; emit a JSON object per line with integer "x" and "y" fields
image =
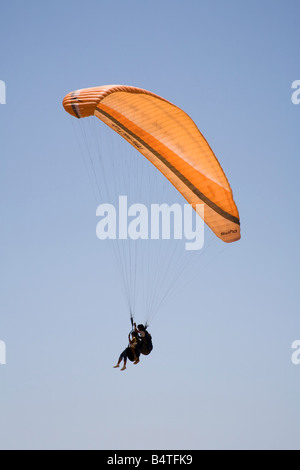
{"x": 220, "y": 375}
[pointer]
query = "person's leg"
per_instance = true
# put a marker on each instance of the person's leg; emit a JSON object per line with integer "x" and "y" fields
{"x": 135, "y": 357}
{"x": 127, "y": 354}
{"x": 120, "y": 359}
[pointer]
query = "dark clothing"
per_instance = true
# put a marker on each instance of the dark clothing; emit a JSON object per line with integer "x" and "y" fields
{"x": 128, "y": 354}
{"x": 145, "y": 345}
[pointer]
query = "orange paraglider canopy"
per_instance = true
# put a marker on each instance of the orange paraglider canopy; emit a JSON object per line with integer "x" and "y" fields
{"x": 170, "y": 140}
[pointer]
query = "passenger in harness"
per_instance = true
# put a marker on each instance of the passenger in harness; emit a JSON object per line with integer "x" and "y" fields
{"x": 131, "y": 352}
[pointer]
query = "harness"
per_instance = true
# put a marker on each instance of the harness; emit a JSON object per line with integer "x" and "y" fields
{"x": 146, "y": 344}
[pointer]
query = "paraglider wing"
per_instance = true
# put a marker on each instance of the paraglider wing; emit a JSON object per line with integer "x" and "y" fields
{"x": 171, "y": 141}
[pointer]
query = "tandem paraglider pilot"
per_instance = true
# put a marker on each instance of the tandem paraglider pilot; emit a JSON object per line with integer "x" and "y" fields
{"x": 140, "y": 342}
